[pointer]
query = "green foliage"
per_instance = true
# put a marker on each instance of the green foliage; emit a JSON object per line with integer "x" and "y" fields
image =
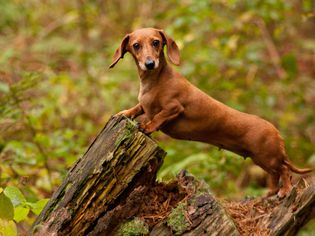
{"x": 56, "y": 92}
{"x": 7, "y": 211}
{"x": 15, "y": 208}
{"x": 308, "y": 230}
{"x": 8, "y": 228}
{"x": 15, "y": 195}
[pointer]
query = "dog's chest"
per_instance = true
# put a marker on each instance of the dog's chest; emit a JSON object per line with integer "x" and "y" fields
{"x": 149, "y": 100}
{"x": 141, "y": 92}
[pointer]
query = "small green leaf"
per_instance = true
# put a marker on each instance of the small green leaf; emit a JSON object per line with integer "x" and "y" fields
{"x": 6, "y": 208}
{"x": 38, "y": 206}
{"x": 289, "y": 63}
{"x": 4, "y": 87}
{"x": 15, "y": 195}
{"x": 7, "y": 228}
{"x": 20, "y": 213}
{"x": 42, "y": 139}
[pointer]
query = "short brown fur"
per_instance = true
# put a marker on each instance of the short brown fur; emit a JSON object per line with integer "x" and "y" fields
{"x": 168, "y": 102}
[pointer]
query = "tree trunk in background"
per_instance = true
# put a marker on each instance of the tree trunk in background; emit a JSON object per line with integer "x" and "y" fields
{"x": 114, "y": 182}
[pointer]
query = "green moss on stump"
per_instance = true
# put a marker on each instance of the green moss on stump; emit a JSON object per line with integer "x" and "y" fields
{"x": 135, "y": 227}
{"x": 177, "y": 221}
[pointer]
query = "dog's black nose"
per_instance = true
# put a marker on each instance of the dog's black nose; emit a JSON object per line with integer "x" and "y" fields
{"x": 149, "y": 64}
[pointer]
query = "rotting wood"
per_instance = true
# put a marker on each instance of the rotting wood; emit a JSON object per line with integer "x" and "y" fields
{"x": 272, "y": 216}
{"x": 203, "y": 214}
{"x": 294, "y": 212}
{"x": 119, "y": 160}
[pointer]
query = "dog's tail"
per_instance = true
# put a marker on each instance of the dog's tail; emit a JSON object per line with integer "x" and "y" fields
{"x": 295, "y": 169}
{"x": 289, "y": 164}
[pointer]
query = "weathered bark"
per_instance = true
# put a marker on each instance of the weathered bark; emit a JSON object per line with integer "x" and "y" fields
{"x": 294, "y": 212}
{"x": 97, "y": 189}
{"x": 114, "y": 182}
{"x": 203, "y": 214}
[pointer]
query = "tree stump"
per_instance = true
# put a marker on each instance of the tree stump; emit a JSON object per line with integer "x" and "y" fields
{"x": 112, "y": 190}
{"x": 105, "y": 185}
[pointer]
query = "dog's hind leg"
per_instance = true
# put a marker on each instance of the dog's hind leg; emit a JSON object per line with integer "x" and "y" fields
{"x": 286, "y": 182}
{"x": 273, "y": 183}
{"x": 274, "y": 173}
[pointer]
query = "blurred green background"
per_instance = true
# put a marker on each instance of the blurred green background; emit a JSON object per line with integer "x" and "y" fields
{"x": 56, "y": 91}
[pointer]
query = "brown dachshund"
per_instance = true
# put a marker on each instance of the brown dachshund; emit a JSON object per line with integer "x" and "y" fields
{"x": 179, "y": 109}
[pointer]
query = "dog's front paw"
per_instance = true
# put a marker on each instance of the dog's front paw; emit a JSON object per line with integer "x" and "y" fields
{"x": 123, "y": 113}
{"x": 147, "y": 128}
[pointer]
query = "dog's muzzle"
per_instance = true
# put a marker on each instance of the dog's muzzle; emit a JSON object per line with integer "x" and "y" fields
{"x": 149, "y": 64}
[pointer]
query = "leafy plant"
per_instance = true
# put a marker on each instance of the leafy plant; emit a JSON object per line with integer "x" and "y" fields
{"x": 15, "y": 208}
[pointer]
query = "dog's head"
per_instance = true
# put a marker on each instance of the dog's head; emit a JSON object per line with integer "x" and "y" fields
{"x": 146, "y": 45}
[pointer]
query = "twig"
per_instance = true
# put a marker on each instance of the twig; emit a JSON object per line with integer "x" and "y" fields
{"x": 187, "y": 218}
{"x": 55, "y": 25}
{"x": 271, "y": 48}
{"x": 84, "y": 37}
{"x": 254, "y": 219}
{"x": 251, "y": 74}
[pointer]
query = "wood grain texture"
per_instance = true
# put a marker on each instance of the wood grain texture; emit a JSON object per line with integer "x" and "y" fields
{"x": 119, "y": 160}
{"x": 203, "y": 213}
{"x": 294, "y": 212}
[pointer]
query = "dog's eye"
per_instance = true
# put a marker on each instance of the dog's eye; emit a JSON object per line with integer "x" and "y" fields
{"x": 155, "y": 43}
{"x": 136, "y": 46}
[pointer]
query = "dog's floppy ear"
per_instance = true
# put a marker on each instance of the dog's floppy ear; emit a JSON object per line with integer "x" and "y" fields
{"x": 120, "y": 51}
{"x": 172, "y": 48}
